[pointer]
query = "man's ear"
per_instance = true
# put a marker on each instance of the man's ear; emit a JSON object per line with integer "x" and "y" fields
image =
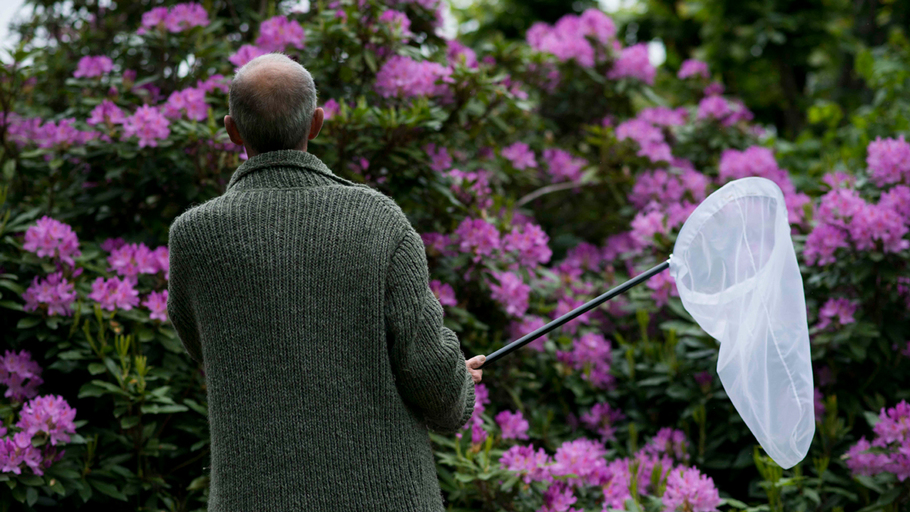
{"x": 316, "y": 125}
{"x": 232, "y": 130}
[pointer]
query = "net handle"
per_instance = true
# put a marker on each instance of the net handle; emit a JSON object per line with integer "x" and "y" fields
{"x": 584, "y": 308}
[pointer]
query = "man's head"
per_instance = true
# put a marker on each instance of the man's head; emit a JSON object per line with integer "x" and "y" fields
{"x": 273, "y": 105}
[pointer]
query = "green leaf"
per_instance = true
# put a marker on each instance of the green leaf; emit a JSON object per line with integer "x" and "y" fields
{"x": 462, "y": 477}
{"x": 32, "y": 480}
{"x": 163, "y": 409}
{"x": 129, "y": 421}
{"x": 96, "y": 368}
{"x": 29, "y": 322}
{"x": 31, "y": 496}
{"x": 108, "y": 489}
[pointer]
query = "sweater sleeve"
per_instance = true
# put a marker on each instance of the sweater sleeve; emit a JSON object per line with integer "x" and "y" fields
{"x": 179, "y": 307}
{"x": 426, "y": 357}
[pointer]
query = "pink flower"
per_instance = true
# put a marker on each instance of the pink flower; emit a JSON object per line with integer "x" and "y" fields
{"x": 634, "y": 63}
{"x": 331, "y": 108}
{"x": 399, "y": 23}
{"x": 819, "y": 400}
{"x": 861, "y": 462}
{"x": 245, "y": 54}
{"x": 440, "y": 160}
{"x": 216, "y": 81}
{"x": 50, "y": 237}
{"x": 580, "y": 456}
{"x": 106, "y": 113}
{"x": 477, "y": 236}
{"x": 592, "y": 355}
{"x": 889, "y": 160}
{"x": 646, "y": 225}
{"x": 663, "y": 287}
{"x": 161, "y": 259}
{"x": 840, "y": 308}
{"x": 186, "y": 16}
{"x": 149, "y": 124}
{"x": 156, "y": 302}
{"x": 15, "y": 450}
{"x": 513, "y": 425}
{"x": 511, "y": 292}
{"x": 602, "y": 418}
{"x": 49, "y": 414}
{"x": 568, "y": 39}
{"x": 55, "y": 292}
{"x": 402, "y": 76}
{"x": 669, "y": 441}
{"x": 457, "y": 52}
{"x": 562, "y": 165}
{"x": 520, "y": 155}
{"x": 479, "y": 186}
{"x": 443, "y": 292}
{"x": 189, "y": 101}
{"x": 530, "y": 242}
{"x": 277, "y": 32}
{"x": 688, "y": 488}
{"x": 478, "y": 434}
{"x": 153, "y": 19}
{"x": 531, "y": 465}
{"x": 526, "y": 326}
{"x": 92, "y": 66}
{"x": 114, "y": 293}
{"x": 663, "y": 116}
{"x": 649, "y": 138}
{"x": 693, "y": 67}
{"x": 713, "y": 107}
{"x": 15, "y": 369}
{"x": 62, "y": 134}
{"x": 133, "y": 259}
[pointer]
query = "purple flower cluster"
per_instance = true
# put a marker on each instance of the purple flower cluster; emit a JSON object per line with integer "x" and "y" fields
{"x": 728, "y": 113}
{"x": 106, "y": 113}
{"x": 562, "y": 165}
{"x": 405, "y": 77}
{"x": 481, "y": 399}
{"x": 92, "y": 66}
{"x": 456, "y": 51}
{"x": 478, "y": 237}
{"x": 443, "y": 292}
{"x": 472, "y": 186}
{"x": 666, "y": 187}
{"x": 693, "y": 67}
{"x": 633, "y": 63}
{"x": 189, "y": 101}
{"x": 650, "y": 139}
{"x": 662, "y": 288}
{"x": 603, "y": 419}
{"x": 156, "y": 302}
{"x": 15, "y": 369}
{"x": 526, "y": 325}
{"x": 114, "y": 293}
{"x": 663, "y": 116}
{"x": 889, "y": 160}
{"x": 688, "y": 489}
{"x": 847, "y": 221}
{"x": 277, "y": 32}
{"x": 512, "y": 424}
{"x": 570, "y": 37}
{"x": 50, "y": 237}
{"x": 890, "y": 450}
{"x": 592, "y": 355}
{"x": 245, "y": 54}
{"x": 54, "y": 292}
{"x": 176, "y": 18}
{"x": 49, "y": 414}
{"x": 398, "y": 22}
{"x": 148, "y": 124}
{"x": 511, "y": 292}
{"x": 529, "y": 243}
{"x": 759, "y": 161}
{"x": 440, "y": 161}
{"x": 521, "y": 156}
{"x": 62, "y": 134}
{"x": 531, "y": 465}
{"x": 840, "y": 309}
{"x": 130, "y": 260}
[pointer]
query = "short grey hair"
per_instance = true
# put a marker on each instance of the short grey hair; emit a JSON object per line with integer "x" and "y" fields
{"x": 273, "y": 109}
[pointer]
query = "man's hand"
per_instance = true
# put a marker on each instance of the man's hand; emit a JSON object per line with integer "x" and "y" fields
{"x": 474, "y": 362}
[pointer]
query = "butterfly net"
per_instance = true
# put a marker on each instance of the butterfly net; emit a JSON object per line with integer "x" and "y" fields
{"x": 737, "y": 275}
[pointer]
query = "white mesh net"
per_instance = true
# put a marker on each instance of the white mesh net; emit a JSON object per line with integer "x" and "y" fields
{"x": 737, "y": 275}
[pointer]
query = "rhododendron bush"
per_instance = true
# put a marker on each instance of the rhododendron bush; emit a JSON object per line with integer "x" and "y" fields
{"x": 540, "y": 173}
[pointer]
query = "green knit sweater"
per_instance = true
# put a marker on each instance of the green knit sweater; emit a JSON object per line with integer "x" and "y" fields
{"x": 306, "y": 298}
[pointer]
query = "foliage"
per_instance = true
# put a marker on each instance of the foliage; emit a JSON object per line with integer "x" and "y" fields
{"x": 540, "y": 173}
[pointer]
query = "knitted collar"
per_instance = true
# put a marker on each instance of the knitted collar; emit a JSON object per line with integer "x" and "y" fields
{"x": 281, "y": 169}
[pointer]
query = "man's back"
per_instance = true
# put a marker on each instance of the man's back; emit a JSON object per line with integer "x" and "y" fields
{"x": 325, "y": 357}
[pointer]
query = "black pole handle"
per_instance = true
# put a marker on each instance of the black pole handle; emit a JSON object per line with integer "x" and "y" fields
{"x": 584, "y": 308}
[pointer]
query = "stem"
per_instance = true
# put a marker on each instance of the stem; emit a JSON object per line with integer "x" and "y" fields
{"x": 545, "y": 190}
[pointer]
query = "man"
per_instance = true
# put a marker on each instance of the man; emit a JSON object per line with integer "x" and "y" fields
{"x": 306, "y": 298}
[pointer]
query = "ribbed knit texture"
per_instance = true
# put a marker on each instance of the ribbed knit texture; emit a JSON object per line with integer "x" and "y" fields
{"x": 306, "y": 298}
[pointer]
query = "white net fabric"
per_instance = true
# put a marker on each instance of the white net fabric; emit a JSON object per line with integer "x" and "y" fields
{"x": 737, "y": 275}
